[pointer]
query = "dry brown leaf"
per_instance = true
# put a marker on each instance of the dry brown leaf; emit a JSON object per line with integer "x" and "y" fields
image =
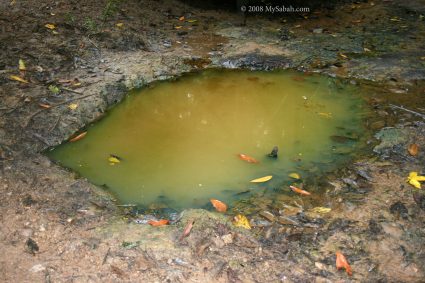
{"x": 341, "y": 262}
{"x": 413, "y": 149}
{"x": 78, "y": 137}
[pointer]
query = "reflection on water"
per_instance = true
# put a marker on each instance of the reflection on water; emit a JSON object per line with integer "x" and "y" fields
{"x": 179, "y": 141}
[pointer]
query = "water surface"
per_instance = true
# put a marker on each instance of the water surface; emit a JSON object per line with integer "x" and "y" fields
{"x": 178, "y": 140}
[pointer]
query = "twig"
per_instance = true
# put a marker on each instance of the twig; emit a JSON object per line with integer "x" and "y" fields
{"x": 408, "y": 110}
{"x": 52, "y": 106}
{"x": 106, "y": 256}
{"x": 55, "y": 124}
{"x": 70, "y": 90}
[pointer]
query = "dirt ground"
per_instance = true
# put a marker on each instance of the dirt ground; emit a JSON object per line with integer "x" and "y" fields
{"x": 57, "y": 227}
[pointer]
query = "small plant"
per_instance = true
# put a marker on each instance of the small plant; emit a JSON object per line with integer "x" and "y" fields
{"x": 90, "y": 25}
{"x": 110, "y": 9}
{"x": 69, "y": 19}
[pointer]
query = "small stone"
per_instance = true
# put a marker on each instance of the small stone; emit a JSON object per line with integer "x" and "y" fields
{"x": 37, "y": 268}
{"x": 227, "y": 239}
{"x": 27, "y": 232}
{"x": 318, "y": 30}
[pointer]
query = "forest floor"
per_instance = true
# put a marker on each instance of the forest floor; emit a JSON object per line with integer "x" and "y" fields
{"x": 57, "y": 227}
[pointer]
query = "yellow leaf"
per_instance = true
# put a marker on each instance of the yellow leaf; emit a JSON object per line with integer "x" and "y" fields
{"x": 50, "y": 26}
{"x": 241, "y": 221}
{"x": 295, "y": 176}
{"x": 22, "y": 65}
{"x": 262, "y": 179}
{"x": 113, "y": 159}
{"x": 320, "y": 209}
{"x": 178, "y": 27}
{"x": 343, "y": 56}
{"x": 192, "y": 21}
{"x": 73, "y": 106}
{"x": 414, "y": 179}
{"x": 19, "y": 79}
{"x": 120, "y": 25}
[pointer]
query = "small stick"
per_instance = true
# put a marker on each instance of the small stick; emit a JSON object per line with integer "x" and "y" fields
{"x": 408, "y": 110}
{"x": 70, "y": 90}
{"x": 106, "y": 256}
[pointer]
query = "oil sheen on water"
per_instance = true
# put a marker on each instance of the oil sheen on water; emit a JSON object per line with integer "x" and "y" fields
{"x": 178, "y": 141}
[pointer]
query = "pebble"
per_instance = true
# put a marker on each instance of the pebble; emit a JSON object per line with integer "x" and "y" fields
{"x": 268, "y": 215}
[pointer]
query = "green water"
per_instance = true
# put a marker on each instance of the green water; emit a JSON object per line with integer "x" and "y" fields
{"x": 178, "y": 140}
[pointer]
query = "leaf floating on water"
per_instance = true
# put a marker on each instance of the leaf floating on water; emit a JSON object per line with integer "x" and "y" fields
{"x": 79, "y": 137}
{"x": 414, "y": 179}
{"x": 241, "y": 221}
{"x": 413, "y": 149}
{"x": 299, "y": 191}
{"x": 218, "y": 205}
{"x": 161, "y": 222}
{"x": 326, "y": 115}
{"x": 262, "y": 179}
{"x": 73, "y": 106}
{"x": 19, "y": 79}
{"x": 295, "y": 176}
{"x": 320, "y": 209}
{"x": 113, "y": 159}
{"x": 22, "y": 66}
{"x": 341, "y": 262}
{"x": 247, "y": 158}
{"x": 50, "y": 26}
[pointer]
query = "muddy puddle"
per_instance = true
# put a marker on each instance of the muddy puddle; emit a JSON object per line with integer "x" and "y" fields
{"x": 179, "y": 143}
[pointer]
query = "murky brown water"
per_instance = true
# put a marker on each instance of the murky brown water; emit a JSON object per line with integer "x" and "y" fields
{"x": 178, "y": 141}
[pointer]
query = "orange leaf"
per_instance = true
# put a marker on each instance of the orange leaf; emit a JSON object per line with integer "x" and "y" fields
{"x": 219, "y": 206}
{"x": 299, "y": 191}
{"x": 79, "y": 137}
{"x": 247, "y": 158}
{"x": 187, "y": 229}
{"x": 161, "y": 222}
{"x": 341, "y": 262}
{"x": 413, "y": 149}
{"x": 46, "y": 106}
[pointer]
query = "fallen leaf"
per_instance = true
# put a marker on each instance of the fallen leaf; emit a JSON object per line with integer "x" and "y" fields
{"x": 342, "y": 56}
{"x": 295, "y": 176}
{"x": 241, "y": 221}
{"x": 120, "y": 25}
{"x": 413, "y": 149}
{"x": 192, "y": 21}
{"x": 320, "y": 209}
{"x": 187, "y": 229}
{"x": 326, "y": 115}
{"x": 299, "y": 191}
{"x": 19, "y": 79}
{"x": 178, "y": 27}
{"x": 341, "y": 262}
{"x": 218, "y": 205}
{"x": 50, "y": 26}
{"x": 414, "y": 179}
{"x": 22, "y": 66}
{"x": 46, "y": 106}
{"x": 73, "y": 106}
{"x": 78, "y": 137}
{"x": 181, "y": 18}
{"x": 262, "y": 179}
{"x": 113, "y": 159}
{"x": 247, "y": 158}
{"x": 161, "y": 222}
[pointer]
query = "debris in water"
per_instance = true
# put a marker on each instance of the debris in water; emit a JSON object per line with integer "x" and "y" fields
{"x": 241, "y": 221}
{"x": 273, "y": 154}
{"x": 262, "y": 179}
{"x": 247, "y": 158}
{"x": 218, "y": 205}
{"x": 299, "y": 191}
